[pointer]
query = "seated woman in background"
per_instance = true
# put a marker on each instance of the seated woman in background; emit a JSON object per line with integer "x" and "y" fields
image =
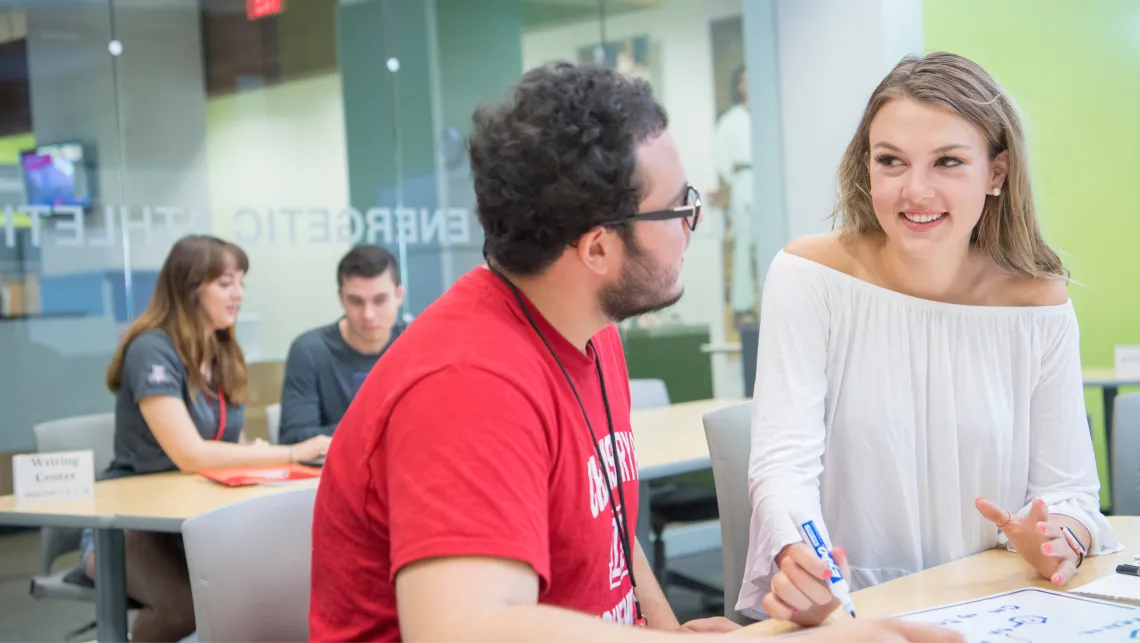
{"x": 919, "y": 379}
{"x": 180, "y": 383}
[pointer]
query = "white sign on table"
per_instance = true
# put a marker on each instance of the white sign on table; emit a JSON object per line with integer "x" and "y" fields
{"x": 65, "y": 475}
{"x": 1127, "y": 361}
{"x": 1034, "y": 615}
{"x": 1113, "y": 586}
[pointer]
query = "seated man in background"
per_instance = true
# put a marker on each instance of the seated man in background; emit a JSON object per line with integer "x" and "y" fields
{"x": 327, "y": 365}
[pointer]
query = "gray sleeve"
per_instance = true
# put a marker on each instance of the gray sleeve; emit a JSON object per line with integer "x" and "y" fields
{"x": 151, "y": 367}
{"x": 300, "y": 403}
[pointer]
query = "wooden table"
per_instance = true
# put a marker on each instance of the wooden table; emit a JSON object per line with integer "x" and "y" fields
{"x": 158, "y": 502}
{"x": 671, "y": 440}
{"x": 990, "y": 572}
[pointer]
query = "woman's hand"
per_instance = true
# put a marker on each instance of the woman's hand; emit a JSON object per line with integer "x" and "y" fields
{"x": 799, "y": 590}
{"x": 1042, "y": 542}
{"x": 310, "y": 449}
{"x": 712, "y": 625}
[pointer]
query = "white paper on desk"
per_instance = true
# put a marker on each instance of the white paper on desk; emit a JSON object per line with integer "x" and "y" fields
{"x": 1121, "y": 586}
{"x": 1033, "y": 615}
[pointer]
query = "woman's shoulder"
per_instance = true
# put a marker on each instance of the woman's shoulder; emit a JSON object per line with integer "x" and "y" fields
{"x": 153, "y": 347}
{"x": 828, "y": 249}
{"x": 153, "y": 339}
{"x": 828, "y": 255}
{"x": 1003, "y": 288}
{"x": 1019, "y": 291}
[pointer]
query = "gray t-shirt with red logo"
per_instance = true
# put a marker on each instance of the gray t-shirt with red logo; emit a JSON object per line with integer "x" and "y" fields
{"x": 151, "y": 366}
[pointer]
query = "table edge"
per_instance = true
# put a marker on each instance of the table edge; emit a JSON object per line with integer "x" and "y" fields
{"x": 33, "y": 519}
{"x": 674, "y": 468}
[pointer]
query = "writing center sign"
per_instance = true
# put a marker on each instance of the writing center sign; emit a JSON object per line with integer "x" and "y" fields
{"x": 72, "y": 226}
{"x": 65, "y": 475}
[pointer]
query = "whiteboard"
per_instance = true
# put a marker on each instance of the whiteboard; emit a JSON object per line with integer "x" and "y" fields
{"x": 1035, "y": 616}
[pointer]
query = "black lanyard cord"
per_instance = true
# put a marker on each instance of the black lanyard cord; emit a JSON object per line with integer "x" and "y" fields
{"x": 619, "y": 517}
{"x": 624, "y": 532}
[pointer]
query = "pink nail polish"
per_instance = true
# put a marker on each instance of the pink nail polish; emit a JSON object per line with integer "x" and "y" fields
{"x": 1057, "y": 579}
{"x": 1041, "y": 527}
{"x": 1049, "y": 550}
{"x": 826, "y": 575}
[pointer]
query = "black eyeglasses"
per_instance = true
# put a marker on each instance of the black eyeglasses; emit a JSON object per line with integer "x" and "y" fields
{"x": 689, "y": 210}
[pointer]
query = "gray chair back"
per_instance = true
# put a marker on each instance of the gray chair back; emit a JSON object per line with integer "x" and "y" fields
{"x": 95, "y": 433}
{"x": 273, "y": 422}
{"x": 647, "y": 394}
{"x": 1122, "y": 453}
{"x": 80, "y": 433}
{"x": 256, "y": 587}
{"x": 728, "y": 432}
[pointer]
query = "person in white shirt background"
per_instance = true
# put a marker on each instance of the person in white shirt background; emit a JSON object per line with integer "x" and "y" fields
{"x": 919, "y": 382}
{"x": 733, "y": 141}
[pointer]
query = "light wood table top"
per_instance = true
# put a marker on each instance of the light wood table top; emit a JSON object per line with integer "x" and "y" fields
{"x": 671, "y": 440}
{"x": 1106, "y": 377}
{"x": 156, "y": 502}
{"x": 731, "y": 348}
{"x": 990, "y": 572}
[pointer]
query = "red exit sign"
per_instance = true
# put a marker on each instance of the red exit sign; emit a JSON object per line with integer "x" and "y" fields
{"x": 255, "y": 9}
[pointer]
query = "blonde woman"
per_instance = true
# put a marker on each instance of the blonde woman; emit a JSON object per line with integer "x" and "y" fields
{"x": 919, "y": 381}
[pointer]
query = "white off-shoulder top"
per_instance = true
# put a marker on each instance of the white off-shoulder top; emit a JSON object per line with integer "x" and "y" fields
{"x": 886, "y": 415}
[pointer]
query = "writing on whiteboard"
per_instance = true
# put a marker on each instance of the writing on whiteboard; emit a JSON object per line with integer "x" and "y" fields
{"x": 1034, "y": 615}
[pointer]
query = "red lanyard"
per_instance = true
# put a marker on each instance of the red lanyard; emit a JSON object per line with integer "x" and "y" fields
{"x": 221, "y": 415}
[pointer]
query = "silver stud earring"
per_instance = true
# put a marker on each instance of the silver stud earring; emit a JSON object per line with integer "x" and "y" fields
{"x": 997, "y": 191}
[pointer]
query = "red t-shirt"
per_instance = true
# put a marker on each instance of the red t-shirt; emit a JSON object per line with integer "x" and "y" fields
{"x": 465, "y": 440}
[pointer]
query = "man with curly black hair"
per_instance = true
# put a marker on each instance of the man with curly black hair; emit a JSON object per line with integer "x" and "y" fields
{"x": 483, "y": 485}
{"x": 582, "y": 149}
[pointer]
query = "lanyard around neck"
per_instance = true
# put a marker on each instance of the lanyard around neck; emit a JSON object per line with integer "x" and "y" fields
{"x": 221, "y": 415}
{"x": 619, "y": 516}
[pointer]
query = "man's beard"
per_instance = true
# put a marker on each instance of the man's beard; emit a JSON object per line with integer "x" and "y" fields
{"x": 641, "y": 288}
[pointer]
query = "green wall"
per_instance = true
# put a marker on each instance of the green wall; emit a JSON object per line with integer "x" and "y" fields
{"x": 1072, "y": 66}
{"x": 10, "y": 148}
{"x": 12, "y": 145}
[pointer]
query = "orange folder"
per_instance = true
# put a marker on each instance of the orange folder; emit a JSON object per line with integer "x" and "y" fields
{"x": 261, "y": 475}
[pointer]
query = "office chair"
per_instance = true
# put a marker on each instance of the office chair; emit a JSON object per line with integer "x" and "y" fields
{"x": 728, "y": 432}
{"x": 247, "y": 591}
{"x": 95, "y": 433}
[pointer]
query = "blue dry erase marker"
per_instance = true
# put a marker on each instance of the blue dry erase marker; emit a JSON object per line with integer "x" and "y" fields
{"x": 814, "y": 539}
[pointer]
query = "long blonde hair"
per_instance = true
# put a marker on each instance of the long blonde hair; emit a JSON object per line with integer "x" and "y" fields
{"x": 1008, "y": 231}
{"x": 194, "y": 261}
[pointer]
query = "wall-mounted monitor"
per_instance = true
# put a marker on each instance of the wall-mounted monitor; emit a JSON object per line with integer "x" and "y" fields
{"x": 55, "y": 175}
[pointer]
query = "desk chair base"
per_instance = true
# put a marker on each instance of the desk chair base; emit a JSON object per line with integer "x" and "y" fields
{"x": 82, "y": 632}
{"x": 673, "y": 502}
{"x": 63, "y": 586}
{"x": 712, "y": 598}
{"x": 70, "y": 585}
